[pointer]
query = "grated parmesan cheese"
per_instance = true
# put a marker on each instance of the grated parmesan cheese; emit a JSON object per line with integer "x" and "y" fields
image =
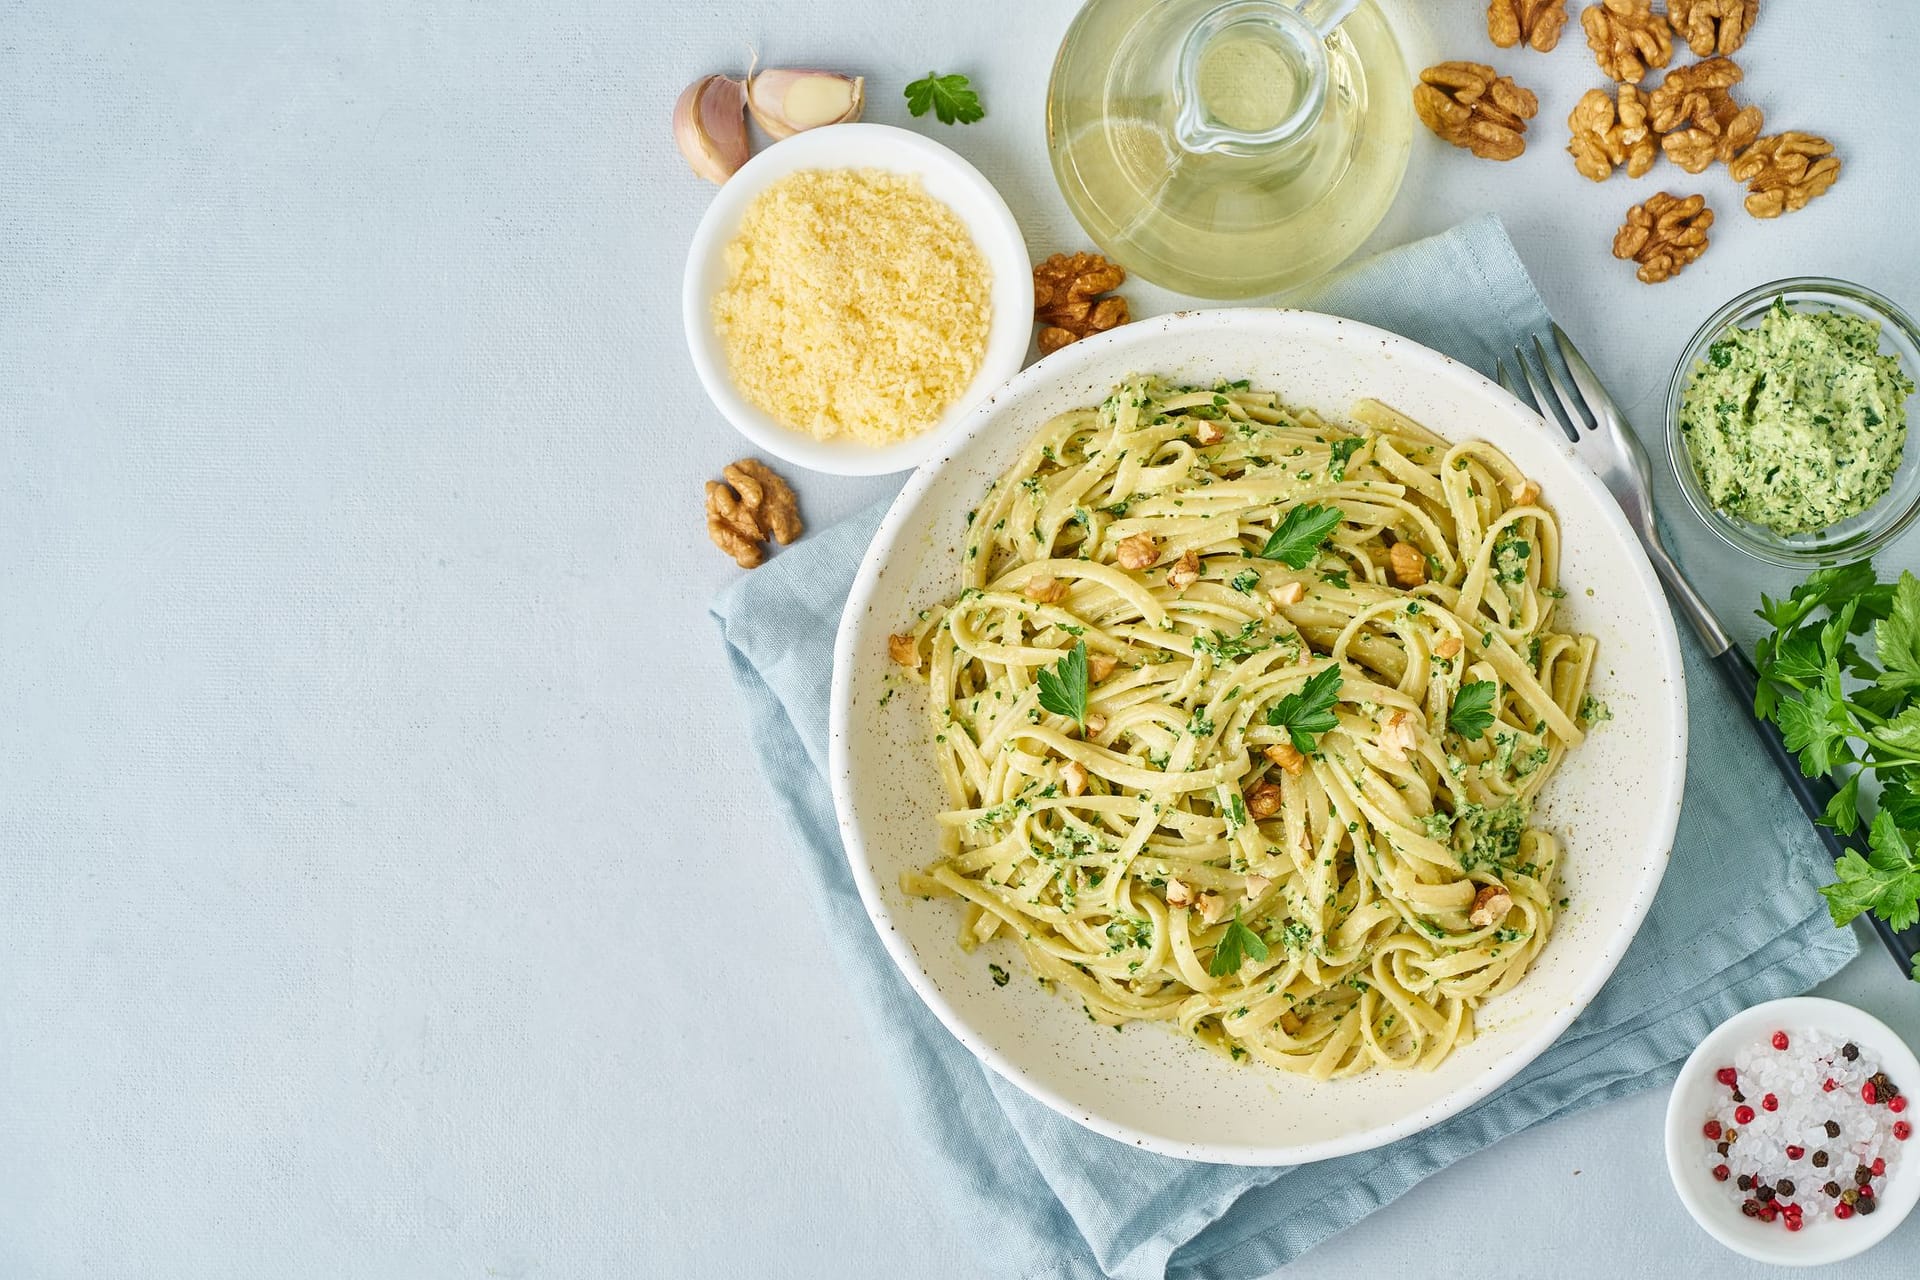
{"x": 856, "y": 305}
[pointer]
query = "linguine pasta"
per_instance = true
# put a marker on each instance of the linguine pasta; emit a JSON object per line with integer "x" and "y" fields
{"x": 1290, "y": 816}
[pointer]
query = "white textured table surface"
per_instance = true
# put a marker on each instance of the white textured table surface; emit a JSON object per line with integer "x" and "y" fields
{"x": 362, "y": 733}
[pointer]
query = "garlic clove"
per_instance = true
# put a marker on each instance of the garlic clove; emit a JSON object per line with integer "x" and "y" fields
{"x": 710, "y": 124}
{"x": 786, "y": 102}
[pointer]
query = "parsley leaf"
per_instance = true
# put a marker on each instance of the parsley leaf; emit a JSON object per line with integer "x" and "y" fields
{"x": 1472, "y": 713}
{"x": 1307, "y": 714}
{"x": 1885, "y": 882}
{"x": 1342, "y": 451}
{"x": 1236, "y": 945}
{"x": 1897, "y": 636}
{"x": 1297, "y": 539}
{"x": 1063, "y": 687}
{"x": 951, "y": 97}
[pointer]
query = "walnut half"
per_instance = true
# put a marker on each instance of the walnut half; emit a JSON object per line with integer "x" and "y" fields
{"x": 1472, "y": 106}
{"x": 1627, "y": 37}
{"x": 754, "y": 504}
{"x": 1066, "y": 301}
{"x": 1729, "y": 128}
{"x": 1664, "y": 235}
{"x": 1609, "y": 133}
{"x": 1537, "y": 22}
{"x": 1713, "y": 26}
{"x": 1785, "y": 171}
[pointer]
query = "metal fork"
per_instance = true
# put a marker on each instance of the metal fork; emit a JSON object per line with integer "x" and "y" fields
{"x": 1577, "y": 404}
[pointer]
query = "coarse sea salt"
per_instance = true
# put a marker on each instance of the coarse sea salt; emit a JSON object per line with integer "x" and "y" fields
{"x": 1807, "y": 1129}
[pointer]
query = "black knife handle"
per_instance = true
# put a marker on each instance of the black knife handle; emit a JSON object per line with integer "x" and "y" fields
{"x": 1813, "y": 794}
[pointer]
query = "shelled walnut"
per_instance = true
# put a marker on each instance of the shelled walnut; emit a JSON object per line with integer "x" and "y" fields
{"x": 1729, "y": 129}
{"x": 1470, "y": 105}
{"x": 1066, "y": 301}
{"x": 1713, "y": 26}
{"x": 1785, "y": 171}
{"x": 1537, "y": 22}
{"x": 1686, "y": 95}
{"x": 1627, "y": 37}
{"x": 1609, "y": 132}
{"x": 1664, "y": 235}
{"x": 753, "y": 504}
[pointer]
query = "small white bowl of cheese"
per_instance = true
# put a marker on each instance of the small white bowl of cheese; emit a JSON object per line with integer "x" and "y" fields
{"x": 855, "y": 339}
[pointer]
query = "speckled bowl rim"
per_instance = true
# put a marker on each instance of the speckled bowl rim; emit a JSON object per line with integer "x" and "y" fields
{"x": 1072, "y": 364}
{"x": 1822, "y": 1243}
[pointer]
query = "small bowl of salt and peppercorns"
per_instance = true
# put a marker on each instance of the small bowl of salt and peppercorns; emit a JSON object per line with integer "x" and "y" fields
{"x": 1788, "y": 1132}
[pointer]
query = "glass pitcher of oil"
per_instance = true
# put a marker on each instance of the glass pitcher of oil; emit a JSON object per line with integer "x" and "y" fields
{"x": 1229, "y": 149}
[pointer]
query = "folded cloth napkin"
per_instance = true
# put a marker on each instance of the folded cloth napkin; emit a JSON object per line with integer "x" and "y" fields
{"x": 1737, "y": 920}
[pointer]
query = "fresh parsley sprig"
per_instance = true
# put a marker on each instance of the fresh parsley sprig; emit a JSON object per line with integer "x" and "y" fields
{"x": 1472, "y": 713}
{"x": 1309, "y": 713}
{"x": 1235, "y": 947}
{"x": 1847, "y": 715}
{"x": 951, "y": 98}
{"x": 1297, "y": 538}
{"x": 1063, "y": 687}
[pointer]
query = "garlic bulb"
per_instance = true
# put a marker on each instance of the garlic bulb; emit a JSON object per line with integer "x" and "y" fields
{"x": 710, "y": 124}
{"x": 786, "y": 102}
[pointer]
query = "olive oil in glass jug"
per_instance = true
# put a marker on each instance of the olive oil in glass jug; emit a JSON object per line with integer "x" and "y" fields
{"x": 1229, "y": 149}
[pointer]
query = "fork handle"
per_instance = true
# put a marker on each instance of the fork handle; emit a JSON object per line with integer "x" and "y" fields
{"x": 1813, "y": 794}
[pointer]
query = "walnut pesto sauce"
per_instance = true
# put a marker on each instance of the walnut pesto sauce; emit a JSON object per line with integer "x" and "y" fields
{"x": 1799, "y": 422}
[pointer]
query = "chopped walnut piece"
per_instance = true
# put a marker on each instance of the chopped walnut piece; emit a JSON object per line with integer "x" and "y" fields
{"x": 1263, "y": 800}
{"x": 1257, "y": 885}
{"x": 1399, "y": 735}
{"x": 1178, "y": 894}
{"x": 1470, "y": 105}
{"x": 1627, "y": 37}
{"x": 1287, "y": 756}
{"x": 903, "y": 650}
{"x": 1209, "y": 432}
{"x": 1664, "y": 235}
{"x": 1100, "y": 666}
{"x": 1073, "y": 776}
{"x": 1713, "y": 26}
{"x": 1732, "y": 128}
{"x": 1288, "y": 593}
{"x": 1449, "y": 647}
{"x": 1407, "y": 564}
{"x": 1213, "y": 907}
{"x": 1608, "y": 133}
{"x": 1185, "y": 571}
{"x": 1524, "y": 494}
{"x": 1538, "y": 22}
{"x": 753, "y": 504}
{"x": 1138, "y": 552}
{"x": 1042, "y": 589}
{"x": 1094, "y": 723}
{"x": 1066, "y": 301}
{"x": 1785, "y": 171}
{"x": 1490, "y": 906}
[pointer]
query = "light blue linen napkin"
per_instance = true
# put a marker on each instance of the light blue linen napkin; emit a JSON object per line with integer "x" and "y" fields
{"x": 1737, "y": 919}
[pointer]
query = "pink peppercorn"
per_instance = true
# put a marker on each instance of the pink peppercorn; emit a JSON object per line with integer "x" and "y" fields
{"x": 1868, "y": 1094}
{"x": 1779, "y": 1039}
{"x": 1843, "y": 1210}
{"x": 1794, "y": 1153}
{"x": 1866, "y": 1191}
{"x": 1879, "y": 1166}
{"x": 1898, "y": 1104}
{"x": 1793, "y": 1222}
{"x": 1743, "y": 1114}
{"x": 1902, "y": 1130}
{"x": 1726, "y": 1076}
{"x": 1712, "y": 1129}
{"x": 1828, "y": 1085}
{"x": 1721, "y": 1172}
{"x": 1770, "y": 1102}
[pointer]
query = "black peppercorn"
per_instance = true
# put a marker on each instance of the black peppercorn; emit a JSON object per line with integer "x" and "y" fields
{"x": 1739, "y": 1096}
{"x": 1819, "y": 1159}
{"x": 1862, "y": 1176}
{"x": 1751, "y": 1208}
{"x": 1723, "y": 1147}
{"x": 1745, "y": 1182}
{"x": 1864, "y": 1206}
{"x": 1764, "y": 1192}
{"x": 1833, "y": 1128}
{"x": 1849, "y": 1051}
{"x": 1784, "y": 1187}
{"x": 1832, "y": 1189}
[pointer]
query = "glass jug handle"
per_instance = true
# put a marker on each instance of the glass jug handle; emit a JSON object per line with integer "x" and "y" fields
{"x": 1324, "y": 15}
{"x": 1297, "y": 30}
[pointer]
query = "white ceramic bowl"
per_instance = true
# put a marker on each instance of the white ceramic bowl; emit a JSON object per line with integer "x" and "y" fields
{"x": 1717, "y": 1209}
{"x": 945, "y": 177}
{"x": 1615, "y": 802}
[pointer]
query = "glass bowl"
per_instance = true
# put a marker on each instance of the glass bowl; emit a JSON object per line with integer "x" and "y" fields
{"x": 1859, "y": 536}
